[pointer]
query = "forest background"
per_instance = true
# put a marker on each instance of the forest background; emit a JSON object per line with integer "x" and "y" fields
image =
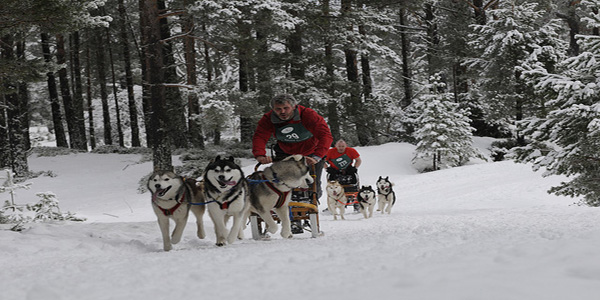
{"x": 193, "y": 77}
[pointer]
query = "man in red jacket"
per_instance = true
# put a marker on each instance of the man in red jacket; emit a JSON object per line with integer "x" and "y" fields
{"x": 297, "y": 129}
{"x": 342, "y": 160}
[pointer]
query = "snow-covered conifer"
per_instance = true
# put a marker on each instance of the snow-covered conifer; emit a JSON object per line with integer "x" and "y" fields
{"x": 567, "y": 140}
{"x": 506, "y": 42}
{"x": 444, "y": 133}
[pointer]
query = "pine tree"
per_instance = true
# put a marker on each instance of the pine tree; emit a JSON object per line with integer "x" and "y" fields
{"x": 505, "y": 42}
{"x": 444, "y": 133}
{"x": 566, "y": 142}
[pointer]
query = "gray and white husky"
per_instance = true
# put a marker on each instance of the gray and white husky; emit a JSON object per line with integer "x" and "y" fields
{"x": 366, "y": 200}
{"x": 172, "y": 196}
{"x": 226, "y": 194}
{"x": 385, "y": 195}
{"x": 273, "y": 191}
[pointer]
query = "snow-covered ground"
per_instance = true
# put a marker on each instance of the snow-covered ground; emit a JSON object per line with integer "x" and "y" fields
{"x": 484, "y": 231}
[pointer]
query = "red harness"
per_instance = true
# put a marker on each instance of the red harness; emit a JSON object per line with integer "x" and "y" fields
{"x": 282, "y": 195}
{"x": 170, "y": 211}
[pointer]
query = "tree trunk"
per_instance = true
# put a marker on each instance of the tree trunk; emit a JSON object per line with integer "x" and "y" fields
{"x": 354, "y": 102}
{"x": 133, "y": 114}
{"x": 175, "y": 105}
{"x": 75, "y": 138}
{"x": 100, "y": 65}
{"x": 4, "y": 142}
{"x": 433, "y": 40}
{"x": 406, "y": 70}
{"x": 194, "y": 124}
{"x": 297, "y": 66}
{"x": 146, "y": 94}
{"x": 154, "y": 61}
{"x": 209, "y": 77}
{"x": 115, "y": 90}
{"x": 23, "y": 99}
{"x": 480, "y": 16}
{"x": 332, "y": 106}
{"x": 78, "y": 87}
{"x": 366, "y": 69}
{"x": 246, "y": 128}
{"x": 573, "y": 21}
{"x": 59, "y": 130}
{"x": 17, "y": 149}
{"x": 263, "y": 72}
{"x": 88, "y": 75}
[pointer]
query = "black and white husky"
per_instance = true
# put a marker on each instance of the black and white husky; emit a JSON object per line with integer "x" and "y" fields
{"x": 366, "y": 200}
{"x": 385, "y": 195}
{"x": 172, "y": 196}
{"x": 226, "y": 195}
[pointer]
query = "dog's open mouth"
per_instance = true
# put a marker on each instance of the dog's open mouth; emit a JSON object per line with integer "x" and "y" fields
{"x": 162, "y": 192}
{"x": 224, "y": 183}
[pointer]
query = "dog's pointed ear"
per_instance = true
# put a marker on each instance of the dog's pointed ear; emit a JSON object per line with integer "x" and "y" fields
{"x": 217, "y": 158}
{"x": 387, "y": 178}
{"x": 230, "y": 158}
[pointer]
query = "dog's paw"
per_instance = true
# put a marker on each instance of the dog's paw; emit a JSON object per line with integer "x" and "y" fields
{"x": 272, "y": 229}
{"x": 167, "y": 247}
{"x": 220, "y": 244}
{"x": 231, "y": 239}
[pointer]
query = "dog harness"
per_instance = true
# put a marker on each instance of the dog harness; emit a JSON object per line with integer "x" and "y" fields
{"x": 390, "y": 192}
{"x": 170, "y": 211}
{"x": 225, "y": 205}
{"x": 282, "y": 195}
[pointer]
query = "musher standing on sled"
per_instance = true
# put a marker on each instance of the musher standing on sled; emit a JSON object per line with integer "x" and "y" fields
{"x": 298, "y": 130}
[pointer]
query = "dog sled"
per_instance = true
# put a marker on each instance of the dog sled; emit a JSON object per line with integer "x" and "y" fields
{"x": 303, "y": 207}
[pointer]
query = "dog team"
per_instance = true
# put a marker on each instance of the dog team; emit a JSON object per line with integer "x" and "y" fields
{"x": 226, "y": 193}
{"x": 338, "y": 200}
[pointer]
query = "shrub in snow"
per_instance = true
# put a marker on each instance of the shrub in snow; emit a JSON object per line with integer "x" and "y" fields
{"x": 45, "y": 210}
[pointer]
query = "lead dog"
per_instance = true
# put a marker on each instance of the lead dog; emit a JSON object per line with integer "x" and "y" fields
{"x": 226, "y": 193}
{"x": 336, "y": 199}
{"x": 385, "y": 195}
{"x": 273, "y": 191}
{"x": 366, "y": 200}
{"x": 172, "y": 196}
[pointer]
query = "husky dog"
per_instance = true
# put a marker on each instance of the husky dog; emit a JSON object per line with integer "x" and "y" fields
{"x": 366, "y": 200}
{"x": 336, "y": 199}
{"x": 274, "y": 191}
{"x": 226, "y": 195}
{"x": 386, "y": 195}
{"x": 172, "y": 196}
